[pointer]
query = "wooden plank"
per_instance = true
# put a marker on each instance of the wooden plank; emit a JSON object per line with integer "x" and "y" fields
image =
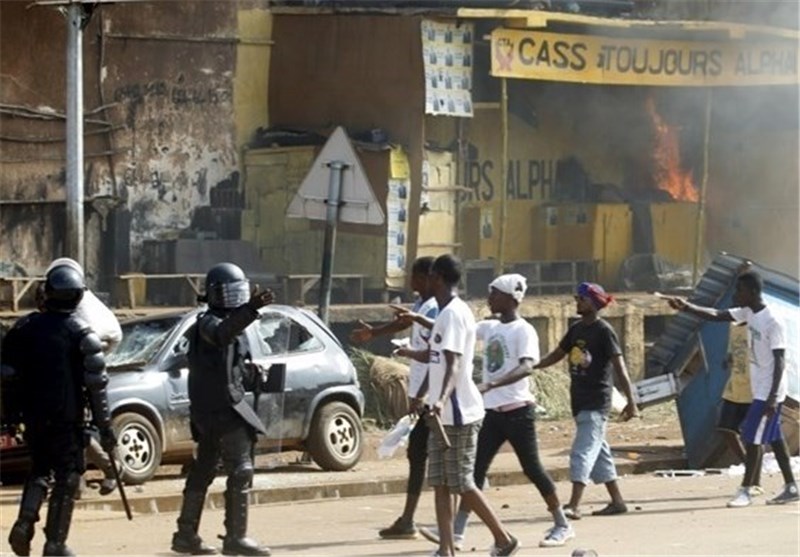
{"x": 19, "y": 287}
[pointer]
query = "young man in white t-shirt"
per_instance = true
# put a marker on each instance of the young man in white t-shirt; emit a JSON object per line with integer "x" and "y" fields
{"x": 510, "y": 349}
{"x": 762, "y": 424}
{"x": 404, "y": 527}
{"x": 456, "y": 403}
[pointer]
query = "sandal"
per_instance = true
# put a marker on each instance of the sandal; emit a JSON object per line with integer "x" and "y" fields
{"x": 572, "y": 513}
{"x": 612, "y": 509}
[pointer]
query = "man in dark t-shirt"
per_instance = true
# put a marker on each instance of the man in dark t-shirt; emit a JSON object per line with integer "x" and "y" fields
{"x": 593, "y": 350}
{"x": 590, "y": 348}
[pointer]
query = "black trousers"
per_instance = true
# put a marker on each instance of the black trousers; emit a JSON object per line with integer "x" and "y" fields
{"x": 518, "y": 427}
{"x": 56, "y": 448}
{"x": 417, "y": 454}
{"x": 221, "y": 435}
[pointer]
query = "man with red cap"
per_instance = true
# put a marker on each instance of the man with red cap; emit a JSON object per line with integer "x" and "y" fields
{"x": 593, "y": 350}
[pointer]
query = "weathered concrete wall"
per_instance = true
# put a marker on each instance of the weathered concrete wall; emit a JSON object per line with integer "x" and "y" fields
{"x": 177, "y": 112}
{"x": 550, "y": 315}
{"x": 176, "y": 98}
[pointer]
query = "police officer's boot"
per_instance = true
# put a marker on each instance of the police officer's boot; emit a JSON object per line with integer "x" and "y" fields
{"x": 186, "y": 540}
{"x": 236, "y": 541}
{"x": 33, "y": 495}
{"x": 59, "y": 516}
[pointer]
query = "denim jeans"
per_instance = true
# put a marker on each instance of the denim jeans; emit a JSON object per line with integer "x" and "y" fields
{"x": 590, "y": 457}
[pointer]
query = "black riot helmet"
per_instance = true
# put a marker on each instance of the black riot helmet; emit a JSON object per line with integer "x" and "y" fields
{"x": 227, "y": 286}
{"x": 63, "y": 289}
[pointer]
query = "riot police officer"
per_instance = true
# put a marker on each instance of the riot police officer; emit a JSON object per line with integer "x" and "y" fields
{"x": 53, "y": 362}
{"x": 223, "y": 423}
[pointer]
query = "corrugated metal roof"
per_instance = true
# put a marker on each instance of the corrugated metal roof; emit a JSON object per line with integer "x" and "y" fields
{"x": 536, "y": 19}
{"x": 531, "y": 18}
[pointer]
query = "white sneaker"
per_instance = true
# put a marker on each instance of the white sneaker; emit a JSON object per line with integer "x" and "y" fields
{"x": 742, "y": 499}
{"x": 432, "y": 534}
{"x": 557, "y": 536}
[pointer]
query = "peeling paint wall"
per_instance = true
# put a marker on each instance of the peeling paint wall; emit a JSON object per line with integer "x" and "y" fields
{"x": 176, "y": 98}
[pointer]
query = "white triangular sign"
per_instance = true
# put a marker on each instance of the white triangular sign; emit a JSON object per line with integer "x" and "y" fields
{"x": 358, "y": 202}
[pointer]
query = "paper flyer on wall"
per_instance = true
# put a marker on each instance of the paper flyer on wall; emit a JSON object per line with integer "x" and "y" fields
{"x": 448, "y": 59}
{"x": 397, "y": 219}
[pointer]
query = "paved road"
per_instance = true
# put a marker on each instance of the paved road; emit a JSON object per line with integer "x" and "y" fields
{"x": 669, "y": 516}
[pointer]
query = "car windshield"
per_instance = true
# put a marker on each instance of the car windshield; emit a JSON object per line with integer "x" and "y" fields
{"x": 141, "y": 340}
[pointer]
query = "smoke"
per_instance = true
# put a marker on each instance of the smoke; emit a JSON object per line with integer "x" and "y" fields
{"x": 778, "y": 13}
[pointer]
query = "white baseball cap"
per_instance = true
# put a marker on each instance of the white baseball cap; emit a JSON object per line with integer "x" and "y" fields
{"x": 513, "y": 284}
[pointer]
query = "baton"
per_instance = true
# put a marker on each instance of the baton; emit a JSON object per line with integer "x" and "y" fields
{"x": 437, "y": 422}
{"x": 120, "y": 487}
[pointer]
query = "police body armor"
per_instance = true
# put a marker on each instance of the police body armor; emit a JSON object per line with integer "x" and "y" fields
{"x": 53, "y": 362}
{"x": 218, "y": 343}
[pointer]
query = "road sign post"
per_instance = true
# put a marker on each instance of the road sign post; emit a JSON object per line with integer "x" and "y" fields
{"x": 349, "y": 197}
{"x": 329, "y": 247}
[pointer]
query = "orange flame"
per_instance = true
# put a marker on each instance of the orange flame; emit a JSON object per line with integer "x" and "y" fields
{"x": 667, "y": 171}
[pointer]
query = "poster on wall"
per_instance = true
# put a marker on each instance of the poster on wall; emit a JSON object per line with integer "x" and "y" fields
{"x": 448, "y": 59}
{"x": 397, "y": 219}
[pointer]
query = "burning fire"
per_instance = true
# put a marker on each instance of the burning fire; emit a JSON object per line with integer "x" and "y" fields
{"x": 667, "y": 171}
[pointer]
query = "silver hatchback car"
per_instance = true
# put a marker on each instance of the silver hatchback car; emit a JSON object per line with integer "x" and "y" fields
{"x": 316, "y": 407}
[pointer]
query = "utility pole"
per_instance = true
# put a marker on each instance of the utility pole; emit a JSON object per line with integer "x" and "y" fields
{"x": 77, "y": 18}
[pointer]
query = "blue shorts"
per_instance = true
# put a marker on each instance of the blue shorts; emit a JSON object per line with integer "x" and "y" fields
{"x": 590, "y": 457}
{"x": 757, "y": 429}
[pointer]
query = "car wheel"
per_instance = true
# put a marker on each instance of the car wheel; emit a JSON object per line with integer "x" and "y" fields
{"x": 138, "y": 447}
{"x": 335, "y": 440}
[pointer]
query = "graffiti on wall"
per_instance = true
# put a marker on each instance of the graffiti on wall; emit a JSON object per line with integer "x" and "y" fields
{"x": 178, "y": 94}
{"x": 179, "y": 151}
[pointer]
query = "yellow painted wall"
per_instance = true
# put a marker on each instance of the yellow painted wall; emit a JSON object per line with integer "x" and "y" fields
{"x": 251, "y": 81}
{"x": 291, "y": 245}
{"x": 481, "y": 232}
{"x": 569, "y": 123}
{"x": 599, "y": 232}
{"x": 674, "y": 231}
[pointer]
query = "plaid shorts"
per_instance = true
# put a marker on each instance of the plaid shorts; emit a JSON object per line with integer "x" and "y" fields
{"x": 453, "y": 467}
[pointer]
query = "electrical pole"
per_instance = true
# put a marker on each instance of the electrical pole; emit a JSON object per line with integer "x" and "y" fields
{"x": 77, "y": 18}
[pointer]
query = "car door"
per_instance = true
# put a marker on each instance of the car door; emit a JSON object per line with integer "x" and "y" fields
{"x": 284, "y": 340}
{"x": 176, "y": 384}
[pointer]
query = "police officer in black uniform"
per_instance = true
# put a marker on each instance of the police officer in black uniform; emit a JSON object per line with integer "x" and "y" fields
{"x": 223, "y": 423}
{"x": 52, "y": 363}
